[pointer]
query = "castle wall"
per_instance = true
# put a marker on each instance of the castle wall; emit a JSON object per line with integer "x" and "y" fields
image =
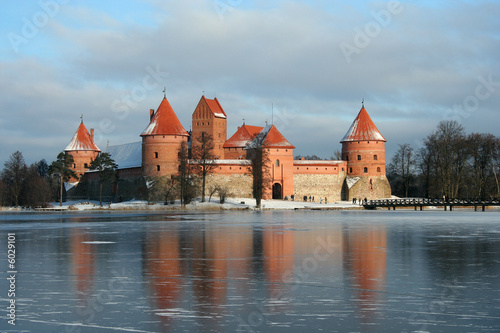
{"x": 235, "y": 153}
{"x": 320, "y": 185}
{"x": 368, "y": 187}
{"x": 239, "y": 185}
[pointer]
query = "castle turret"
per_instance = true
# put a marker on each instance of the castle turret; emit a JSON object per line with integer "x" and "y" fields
{"x": 209, "y": 117}
{"x": 161, "y": 141}
{"x": 83, "y": 149}
{"x": 280, "y": 154}
{"x": 363, "y": 147}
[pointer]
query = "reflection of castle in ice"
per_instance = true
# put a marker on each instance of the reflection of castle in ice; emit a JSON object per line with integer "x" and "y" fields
{"x": 361, "y": 173}
{"x": 205, "y": 269}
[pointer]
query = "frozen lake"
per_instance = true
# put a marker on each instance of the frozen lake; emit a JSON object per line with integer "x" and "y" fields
{"x": 272, "y": 271}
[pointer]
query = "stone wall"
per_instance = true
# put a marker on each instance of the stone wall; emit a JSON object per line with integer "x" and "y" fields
{"x": 369, "y": 188}
{"x": 238, "y": 185}
{"x": 318, "y": 186}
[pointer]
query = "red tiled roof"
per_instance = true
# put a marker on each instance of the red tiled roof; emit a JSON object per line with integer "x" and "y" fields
{"x": 271, "y": 138}
{"x": 243, "y": 136}
{"x": 363, "y": 129}
{"x": 274, "y": 139}
{"x": 165, "y": 122}
{"x": 215, "y": 107}
{"x": 82, "y": 140}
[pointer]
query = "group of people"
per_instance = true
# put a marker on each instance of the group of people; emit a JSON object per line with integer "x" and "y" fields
{"x": 310, "y": 199}
{"x": 360, "y": 201}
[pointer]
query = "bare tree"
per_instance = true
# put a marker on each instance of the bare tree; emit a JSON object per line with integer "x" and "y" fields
{"x": 260, "y": 167}
{"x": 402, "y": 167}
{"x": 185, "y": 179}
{"x": 202, "y": 152}
{"x": 483, "y": 153}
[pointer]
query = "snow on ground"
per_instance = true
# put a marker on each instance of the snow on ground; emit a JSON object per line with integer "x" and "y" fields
{"x": 214, "y": 204}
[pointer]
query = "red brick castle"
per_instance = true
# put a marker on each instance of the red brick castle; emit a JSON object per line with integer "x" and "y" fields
{"x": 360, "y": 174}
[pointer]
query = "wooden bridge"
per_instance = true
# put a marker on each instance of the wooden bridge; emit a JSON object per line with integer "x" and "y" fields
{"x": 420, "y": 203}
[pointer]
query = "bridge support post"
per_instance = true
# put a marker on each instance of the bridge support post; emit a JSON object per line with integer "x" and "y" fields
{"x": 484, "y": 208}
{"x": 475, "y": 208}
{"x": 421, "y": 207}
{"x": 445, "y": 208}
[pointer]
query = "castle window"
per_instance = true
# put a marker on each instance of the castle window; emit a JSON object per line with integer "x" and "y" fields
{"x": 350, "y": 170}
{"x": 342, "y": 169}
{"x": 74, "y": 166}
{"x": 156, "y": 154}
{"x": 347, "y": 157}
{"x": 157, "y": 168}
{"x": 359, "y": 157}
{"x": 366, "y": 169}
{"x": 278, "y": 163}
{"x": 208, "y": 123}
{"x": 86, "y": 165}
{"x": 375, "y": 157}
{"x": 378, "y": 169}
{"x": 219, "y": 135}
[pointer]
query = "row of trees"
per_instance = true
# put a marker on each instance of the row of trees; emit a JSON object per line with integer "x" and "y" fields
{"x": 39, "y": 183}
{"x": 450, "y": 163}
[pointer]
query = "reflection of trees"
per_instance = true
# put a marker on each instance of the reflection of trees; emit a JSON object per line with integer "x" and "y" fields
{"x": 365, "y": 258}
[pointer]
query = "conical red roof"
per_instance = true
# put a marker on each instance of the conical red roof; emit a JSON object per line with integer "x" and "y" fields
{"x": 363, "y": 129}
{"x": 165, "y": 122}
{"x": 270, "y": 137}
{"x": 82, "y": 140}
{"x": 243, "y": 136}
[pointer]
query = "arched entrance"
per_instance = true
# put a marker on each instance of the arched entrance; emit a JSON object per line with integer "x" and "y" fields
{"x": 277, "y": 191}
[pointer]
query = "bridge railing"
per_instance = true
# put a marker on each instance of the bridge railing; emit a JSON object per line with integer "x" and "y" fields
{"x": 430, "y": 202}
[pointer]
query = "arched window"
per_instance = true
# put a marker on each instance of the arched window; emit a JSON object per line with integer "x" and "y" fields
{"x": 375, "y": 157}
{"x": 366, "y": 169}
{"x": 359, "y": 157}
{"x": 378, "y": 169}
{"x": 158, "y": 168}
{"x": 347, "y": 157}
{"x": 350, "y": 170}
{"x": 277, "y": 162}
{"x": 156, "y": 154}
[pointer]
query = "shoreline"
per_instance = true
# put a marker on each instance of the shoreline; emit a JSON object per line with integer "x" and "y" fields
{"x": 236, "y": 204}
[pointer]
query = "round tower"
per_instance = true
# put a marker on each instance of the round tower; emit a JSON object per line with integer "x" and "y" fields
{"x": 161, "y": 141}
{"x": 363, "y": 147}
{"x": 83, "y": 149}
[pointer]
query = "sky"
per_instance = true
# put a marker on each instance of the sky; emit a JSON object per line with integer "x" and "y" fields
{"x": 305, "y": 66}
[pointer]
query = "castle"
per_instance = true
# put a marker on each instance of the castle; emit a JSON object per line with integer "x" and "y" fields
{"x": 360, "y": 174}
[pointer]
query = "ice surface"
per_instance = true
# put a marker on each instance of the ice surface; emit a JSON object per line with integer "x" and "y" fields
{"x": 260, "y": 271}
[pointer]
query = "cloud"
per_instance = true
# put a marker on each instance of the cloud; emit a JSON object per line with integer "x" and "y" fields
{"x": 426, "y": 59}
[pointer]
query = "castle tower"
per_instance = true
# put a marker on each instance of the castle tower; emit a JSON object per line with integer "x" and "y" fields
{"x": 280, "y": 154}
{"x": 161, "y": 141}
{"x": 363, "y": 147}
{"x": 83, "y": 149}
{"x": 209, "y": 117}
